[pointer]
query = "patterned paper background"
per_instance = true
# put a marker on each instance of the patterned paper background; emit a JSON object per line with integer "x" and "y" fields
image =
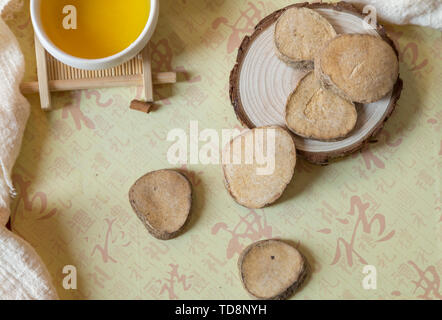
{"x": 380, "y": 207}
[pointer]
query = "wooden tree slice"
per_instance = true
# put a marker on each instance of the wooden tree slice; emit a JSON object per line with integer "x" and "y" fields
{"x": 260, "y": 84}
{"x": 271, "y": 270}
{"x": 162, "y": 200}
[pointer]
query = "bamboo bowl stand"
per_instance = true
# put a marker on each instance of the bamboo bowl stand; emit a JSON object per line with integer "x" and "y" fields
{"x": 54, "y": 76}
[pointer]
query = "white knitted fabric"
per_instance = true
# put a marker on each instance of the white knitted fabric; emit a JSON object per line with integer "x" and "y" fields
{"x": 427, "y": 13}
{"x": 22, "y": 273}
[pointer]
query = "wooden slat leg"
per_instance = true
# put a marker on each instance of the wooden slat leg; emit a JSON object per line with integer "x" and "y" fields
{"x": 99, "y": 83}
{"x": 147, "y": 74}
{"x": 43, "y": 78}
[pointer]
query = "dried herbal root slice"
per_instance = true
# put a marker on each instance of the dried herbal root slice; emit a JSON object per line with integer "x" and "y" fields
{"x": 162, "y": 200}
{"x": 271, "y": 270}
{"x": 299, "y": 34}
{"x": 317, "y": 113}
{"x": 258, "y": 179}
{"x": 359, "y": 67}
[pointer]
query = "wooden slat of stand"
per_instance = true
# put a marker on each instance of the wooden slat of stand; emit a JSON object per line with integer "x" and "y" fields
{"x": 147, "y": 74}
{"x": 55, "y": 76}
{"x": 97, "y": 83}
{"x": 43, "y": 76}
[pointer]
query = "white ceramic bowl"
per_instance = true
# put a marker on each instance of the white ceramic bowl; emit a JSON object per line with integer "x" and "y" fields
{"x": 94, "y": 64}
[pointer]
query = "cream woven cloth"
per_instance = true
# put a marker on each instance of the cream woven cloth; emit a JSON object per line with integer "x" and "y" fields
{"x": 426, "y": 13}
{"x": 22, "y": 273}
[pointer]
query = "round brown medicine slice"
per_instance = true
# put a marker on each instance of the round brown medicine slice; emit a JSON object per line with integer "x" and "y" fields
{"x": 299, "y": 34}
{"x": 162, "y": 200}
{"x": 317, "y": 113}
{"x": 271, "y": 270}
{"x": 359, "y": 67}
{"x": 258, "y": 165}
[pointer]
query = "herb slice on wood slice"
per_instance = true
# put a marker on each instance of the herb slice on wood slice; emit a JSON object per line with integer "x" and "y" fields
{"x": 251, "y": 182}
{"x": 359, "y": 67}
{"x": 299, "y": 34}
{"x": 317, "y": 113}
{"x": 162, "y": 200}
{"x": 272, "y": 270}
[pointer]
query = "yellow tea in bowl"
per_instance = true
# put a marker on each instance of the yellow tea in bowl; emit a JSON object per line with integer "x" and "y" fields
{"x": 93, "y": 29}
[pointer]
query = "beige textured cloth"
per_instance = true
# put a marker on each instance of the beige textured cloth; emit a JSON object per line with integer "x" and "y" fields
{"x": 22, "y": 273}
{"x": 427, "y": 13}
